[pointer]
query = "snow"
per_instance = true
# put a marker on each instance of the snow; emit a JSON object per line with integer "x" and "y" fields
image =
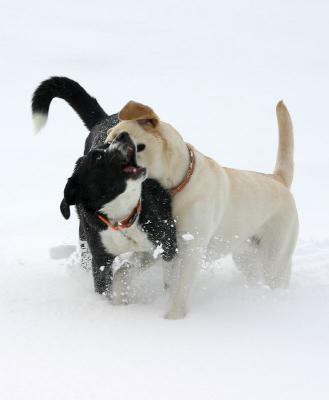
{"x": 60, "y": 252}
{"x": 157, "y": 251}
{"x": 214, "y": 70}
{"x": 187, "y": 236}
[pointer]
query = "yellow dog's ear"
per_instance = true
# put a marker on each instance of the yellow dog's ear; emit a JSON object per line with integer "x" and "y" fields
{"x": 133, "y": 111}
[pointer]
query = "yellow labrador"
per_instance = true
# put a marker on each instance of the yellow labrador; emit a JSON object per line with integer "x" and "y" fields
{"x": 219, "y": 210}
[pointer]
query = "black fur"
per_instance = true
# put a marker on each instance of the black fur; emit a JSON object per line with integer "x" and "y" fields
{"x": 98, "y": 178}
{"x": 86, "y": 106}
{"x": 98, "y": 133}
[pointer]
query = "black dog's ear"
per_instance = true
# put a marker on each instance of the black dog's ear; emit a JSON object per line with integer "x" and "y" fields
{"x": 65, "y": 209}
{"x": 71, "y": 196}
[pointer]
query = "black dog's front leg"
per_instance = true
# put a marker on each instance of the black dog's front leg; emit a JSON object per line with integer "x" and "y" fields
{"x": 85, "y": 254}
{"x": 102, "y": 272}
{"x": 101, "y": 262}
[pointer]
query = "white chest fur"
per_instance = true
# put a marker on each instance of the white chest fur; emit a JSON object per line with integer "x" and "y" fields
{"x": 126, "y": 240}
{"x": 132, "y": 239}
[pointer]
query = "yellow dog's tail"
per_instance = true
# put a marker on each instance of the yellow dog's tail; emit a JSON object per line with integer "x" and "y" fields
{"x": 284, "y": 166}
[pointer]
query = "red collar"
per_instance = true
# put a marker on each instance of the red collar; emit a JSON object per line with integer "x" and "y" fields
{"x": 125, "y": 223}
{"x": 188, "y": 175}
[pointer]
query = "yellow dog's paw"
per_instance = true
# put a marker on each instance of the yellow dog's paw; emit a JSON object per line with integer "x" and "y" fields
{"x": 176, "y": 313}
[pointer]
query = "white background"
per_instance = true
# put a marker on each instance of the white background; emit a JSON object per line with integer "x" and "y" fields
{"x": 214, "y": 70}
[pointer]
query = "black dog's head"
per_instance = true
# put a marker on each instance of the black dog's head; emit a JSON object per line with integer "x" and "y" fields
{"x": 102, "y": 174}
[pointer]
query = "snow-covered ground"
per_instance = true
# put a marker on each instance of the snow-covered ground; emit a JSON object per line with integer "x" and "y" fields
{"x": 215, "y": 71}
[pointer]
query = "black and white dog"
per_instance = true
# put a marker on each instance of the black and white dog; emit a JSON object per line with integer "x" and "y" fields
{"x": 93, "y": 116}
{"x": 119, "y": 214}
{"x": 120, "y": 211}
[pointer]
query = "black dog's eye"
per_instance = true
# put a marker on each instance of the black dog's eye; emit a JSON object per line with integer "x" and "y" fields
{"x": 140, "y": 147}
{"x": 98, "y": 155}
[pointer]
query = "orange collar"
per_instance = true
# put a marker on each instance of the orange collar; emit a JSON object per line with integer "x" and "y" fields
{"x": 125, "y": 223}
{"x": 188, "y": 175}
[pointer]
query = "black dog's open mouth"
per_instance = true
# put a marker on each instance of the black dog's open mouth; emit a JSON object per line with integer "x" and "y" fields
{"x": 131, "y": 168}
{"x": 127, "y": 148}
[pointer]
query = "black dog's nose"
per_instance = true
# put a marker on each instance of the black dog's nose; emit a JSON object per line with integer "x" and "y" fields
{"x": 123, "y": 137}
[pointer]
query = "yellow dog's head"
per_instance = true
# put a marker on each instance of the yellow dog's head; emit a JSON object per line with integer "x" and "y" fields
{"x": 155, "y": 139}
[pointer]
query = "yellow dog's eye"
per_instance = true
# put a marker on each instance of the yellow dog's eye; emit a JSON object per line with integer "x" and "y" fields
{"x": 141, "y": 147}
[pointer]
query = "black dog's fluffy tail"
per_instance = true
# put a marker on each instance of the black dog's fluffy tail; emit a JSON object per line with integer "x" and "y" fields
{"x": 86, "y": 106}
